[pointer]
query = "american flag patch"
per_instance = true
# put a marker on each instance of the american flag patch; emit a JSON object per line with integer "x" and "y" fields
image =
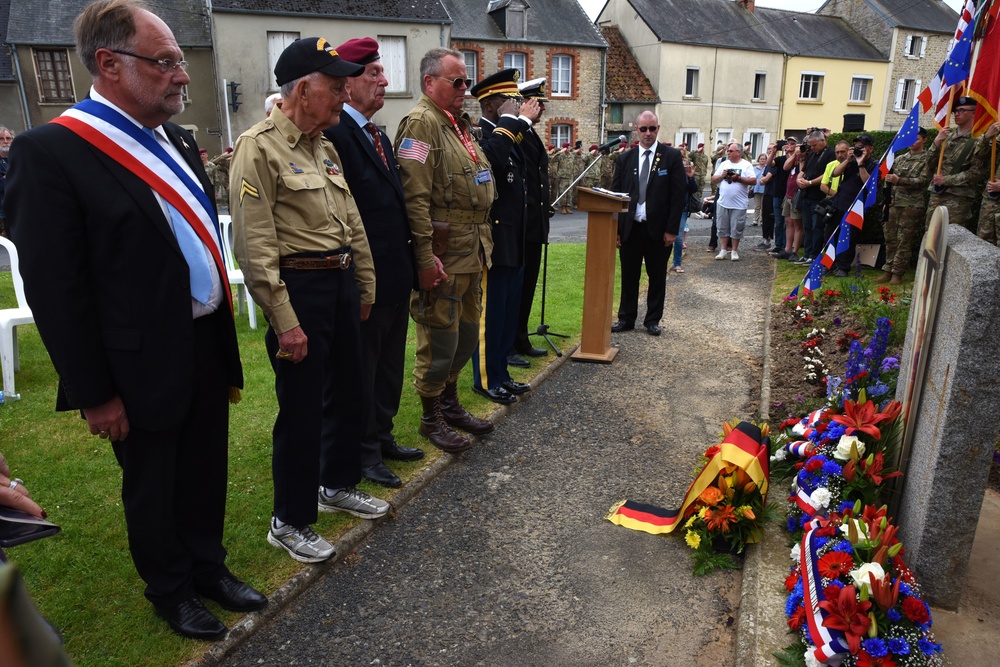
{"x": 411, "y": 149}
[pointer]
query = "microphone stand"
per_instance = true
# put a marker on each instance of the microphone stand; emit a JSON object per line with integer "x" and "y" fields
{"x": 543, "y": 328}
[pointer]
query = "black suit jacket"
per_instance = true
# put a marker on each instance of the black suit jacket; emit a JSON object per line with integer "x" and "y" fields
{"x": 507, "y": 213}
{"x": 378, "y": 192}
{"x": 666, "y": 191}
{"x": 538, "y": 199}
{"x": 105, "y": 279}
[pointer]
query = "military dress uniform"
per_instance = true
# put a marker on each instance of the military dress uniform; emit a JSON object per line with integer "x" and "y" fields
{"x": 989, "y": 208}
{"x": 302, "y": 247}
{"x": 906, "y": 214}
{"x": 962, "y": 179}
{"x": 449, "y": 190}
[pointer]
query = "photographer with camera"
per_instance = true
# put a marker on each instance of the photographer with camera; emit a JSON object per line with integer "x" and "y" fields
{"x": 854, "y": 173}
{"x": 814, "y": 155}
{"x": 732, "y": 176}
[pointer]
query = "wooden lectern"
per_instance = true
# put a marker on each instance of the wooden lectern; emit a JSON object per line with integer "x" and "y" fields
{"x": 599, "y": 279}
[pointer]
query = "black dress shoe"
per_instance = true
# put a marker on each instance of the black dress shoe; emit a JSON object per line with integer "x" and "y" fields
{"x": 653, "y": 329}
{"x": 191, "y": 619}
{"x": 498, "y": 395}
{"x": 535, "y": 352}
{"x": 518, "y": 361}
{"x": 380, "y": 474}
{"x": 516, "y": 388}
{"x": 622, "y": 326}
{"x": 232, "y": 594}
{"x": 397, "y": 452}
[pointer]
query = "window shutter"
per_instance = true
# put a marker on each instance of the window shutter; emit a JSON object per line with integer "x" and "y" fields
{"x": 678, "y": 138}
{"x": 746, "y": 137}
{"x": 909, "y": 44}
{"x": 923, "y": 46}
{"x": 899, "y": 96}
{"x": 767, "y": 139}
{"x": 701, "y": 138}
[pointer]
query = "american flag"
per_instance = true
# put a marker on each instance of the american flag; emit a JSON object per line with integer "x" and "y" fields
{"x": 938, "y": 92}
{"x": 411, "y": 149}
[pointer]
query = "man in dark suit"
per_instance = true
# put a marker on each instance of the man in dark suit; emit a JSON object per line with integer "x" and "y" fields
{"x": 123, "y": 273}
{"x": 536, "y": 229}
{"x": 503, "y": 124}
{"x": 371, "y": 171}
{"x": 653, "y": 176}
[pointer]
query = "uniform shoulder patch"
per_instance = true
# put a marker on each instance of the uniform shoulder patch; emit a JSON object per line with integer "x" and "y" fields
{"x": 247, "y": 190}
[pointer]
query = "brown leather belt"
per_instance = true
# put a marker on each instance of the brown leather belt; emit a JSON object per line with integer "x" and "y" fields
{"x": 341, "y": 261}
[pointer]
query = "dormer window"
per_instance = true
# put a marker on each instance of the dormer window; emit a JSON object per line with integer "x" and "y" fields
{"x": 511, "y": 16}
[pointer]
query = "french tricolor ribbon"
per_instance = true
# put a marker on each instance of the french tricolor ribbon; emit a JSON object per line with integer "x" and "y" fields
{"x": 116, "y": 136}
{"x": 830, "y": 645}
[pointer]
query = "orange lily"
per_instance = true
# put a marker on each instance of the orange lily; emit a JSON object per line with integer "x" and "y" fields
{"x": 885, "y": 596}
{"x": 847, "y": 614}
{"x": 861, "y": 417}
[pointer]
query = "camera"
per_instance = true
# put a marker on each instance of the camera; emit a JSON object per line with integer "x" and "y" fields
{"x": 804, "y": 147}
{"x": 859, "y": 151}
{"x": 731, "y": 174}
{"x": 825, "y": 210}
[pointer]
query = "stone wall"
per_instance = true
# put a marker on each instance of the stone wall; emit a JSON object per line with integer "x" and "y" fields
{"x": 921, "y": 69}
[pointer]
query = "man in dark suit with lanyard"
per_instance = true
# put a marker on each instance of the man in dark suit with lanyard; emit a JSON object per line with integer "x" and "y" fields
{"x": 653, "y": 176}
{"x": 116, "y": 227}
{"x": 371, "y": 171}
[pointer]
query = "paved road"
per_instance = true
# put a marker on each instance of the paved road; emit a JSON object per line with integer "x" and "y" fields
{"x": 505, "y": 558}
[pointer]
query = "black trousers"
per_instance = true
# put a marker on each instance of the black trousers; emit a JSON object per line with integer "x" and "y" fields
{"x": 767, "y": 224}
{"x": 637, "y": 248}
{"x": 174, "y": 481}
{"x": 532, "y": 268}
{"x": 383, "y": 356}
{"x": 317, "y": 433}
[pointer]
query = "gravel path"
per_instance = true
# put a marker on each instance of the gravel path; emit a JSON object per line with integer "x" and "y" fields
{"x": 505, "y": 557}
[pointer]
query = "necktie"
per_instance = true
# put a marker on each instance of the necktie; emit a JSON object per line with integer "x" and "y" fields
{"x": 643, "y": 176}
{"x": 192, "y": 248}
{"x": 372, "y": 130}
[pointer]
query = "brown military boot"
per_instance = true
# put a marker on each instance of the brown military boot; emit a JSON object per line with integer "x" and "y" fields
{"x": 884, "y": 278}
{"x": 436, "y": 429}
{"x": 896, "y": 279}
{"x": 565, "y": 210}
{"x": 459, "y": 417}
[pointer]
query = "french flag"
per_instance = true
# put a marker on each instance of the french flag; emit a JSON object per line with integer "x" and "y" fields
{"x": 828, "y": 256}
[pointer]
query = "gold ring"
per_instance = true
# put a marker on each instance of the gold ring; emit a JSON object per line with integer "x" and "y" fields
{"x": 103, "y": 434}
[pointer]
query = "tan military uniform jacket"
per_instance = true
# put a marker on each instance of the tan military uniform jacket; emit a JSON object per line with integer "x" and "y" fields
{"x": 288, "y": 195}
{"x": 911, "y": 189}
{"x": 966, "y": 183}
{"x": 443, "y": 187}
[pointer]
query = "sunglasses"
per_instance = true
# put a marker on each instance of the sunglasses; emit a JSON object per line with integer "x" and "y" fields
{"x": 457, "y": 83}
{"x": 648, "y": 128}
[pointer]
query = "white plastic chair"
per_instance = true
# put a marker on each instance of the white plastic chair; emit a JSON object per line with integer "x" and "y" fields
{"x": 235, "y": 275}
{"x": 10, "y": 319}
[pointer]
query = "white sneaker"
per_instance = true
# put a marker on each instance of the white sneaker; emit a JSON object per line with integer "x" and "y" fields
{"x": 735, "y": 257}
{"x": 353, "y": 501}
{"x": 721, "y": 255}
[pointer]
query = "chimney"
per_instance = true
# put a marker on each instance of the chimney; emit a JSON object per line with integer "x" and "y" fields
{"x": 747, "y": 5}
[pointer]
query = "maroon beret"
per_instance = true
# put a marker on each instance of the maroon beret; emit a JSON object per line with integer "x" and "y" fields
{"x": 360, "y": 50}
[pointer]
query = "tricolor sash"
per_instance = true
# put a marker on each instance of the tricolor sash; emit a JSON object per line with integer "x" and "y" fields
{"x": 831, "y": 646}
{"x": 743, "y": 447}
{"x": 110, "y": 132}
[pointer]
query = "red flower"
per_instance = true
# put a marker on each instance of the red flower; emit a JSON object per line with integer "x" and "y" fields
{"x": 847, "y": 614}
{"x": 814, "y": 464}
{"x": 835, "y": 564}
{"x": 712, "y": 451}
{"x": 860, "y": 417}
{"x": 916, "y": 611}
{"x": 796, "y": 620}
{"x": 791, "y": 580}
{"x": 867, "y": 660}
{"x": 874, "y": 471}
{"x": 831, "y": 591}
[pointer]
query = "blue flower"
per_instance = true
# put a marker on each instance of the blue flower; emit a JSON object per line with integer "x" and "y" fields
{"x": 894, "y": 615}
{"x": 832, "y": 468}
{"x": 905, "y": 589}
{"x": 928, "y": 647}
{"x": 878, "y": 389}
{"x": 836, "y": 583}
{"x": 899, "y": 646}
{"x": 844, "y": 547}
{"x": 793, "y": 601}
{"x": 820, "y": 542}
{"x": 837, "y": 321}
{"x": 846, "y": 505}
{"x": 876, "y": 647}
{"x": 793, "y": 524}
{"x": 890, "y": 364}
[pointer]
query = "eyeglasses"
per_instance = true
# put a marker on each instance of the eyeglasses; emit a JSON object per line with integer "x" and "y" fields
{"x": 964, "y": 110}
{"x": 648, "y": 128}
{"x": 456, "y": 83}
{"x": 166, "y": 65}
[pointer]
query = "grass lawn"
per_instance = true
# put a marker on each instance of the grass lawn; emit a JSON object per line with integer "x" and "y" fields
{"x": 83, "y": 579}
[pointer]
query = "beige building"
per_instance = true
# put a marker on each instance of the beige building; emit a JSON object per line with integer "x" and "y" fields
{"x": 553, "y": 39}
{"x": 914, "y": 36}
{"x": 251, "y": 34}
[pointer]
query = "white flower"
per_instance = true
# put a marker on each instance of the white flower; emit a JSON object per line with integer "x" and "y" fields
{"x": 843, "y": 451}
{"x": 820, "y": 498}
{"x": 799, "y": 429}
{"x": 811, "y": 660}
{"x": 860, "y": 575}
{"x": 780, "y": 455}
{"x": 796, "y": 554}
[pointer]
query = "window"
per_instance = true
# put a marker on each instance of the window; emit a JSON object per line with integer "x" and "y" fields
{"x": 759, "y": 139}
{"x": 811, "y": 86}
{"x": 54, "y": 81}
{"x": 759, "y": 82}
{"x": 616, "y": 114}
{"x": 906, "y": 92}
{"x": 276, "y": 43}
{"x": 393, "y": 53}
{"x": 518, "y": 61}
{"x": 471, "y": 64}
{"x": 915, "y": 46}
{"x": 690, "y": 138}
{"x": 691, "y": 83}
{"x": 724, "y": 136}
{"x": 562, "y": 76}
{"x": 561, "y": 134}
{"x": 860, "y": 88}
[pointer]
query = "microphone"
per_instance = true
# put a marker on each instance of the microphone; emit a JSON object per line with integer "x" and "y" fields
{"x": 611, "y": 144}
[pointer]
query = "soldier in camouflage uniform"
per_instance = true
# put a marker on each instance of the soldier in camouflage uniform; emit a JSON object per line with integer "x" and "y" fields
{"x": 906, "y": 216}
{"x": 572, "y": 168}
{"x": 700, "y": 161}
{"x": 989, "y": 208}
{"x": 607, "y": 168}
{"x": 556, "y": 170}
{"x": 593, "y": 177}
{"x": 961, "y": 176}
